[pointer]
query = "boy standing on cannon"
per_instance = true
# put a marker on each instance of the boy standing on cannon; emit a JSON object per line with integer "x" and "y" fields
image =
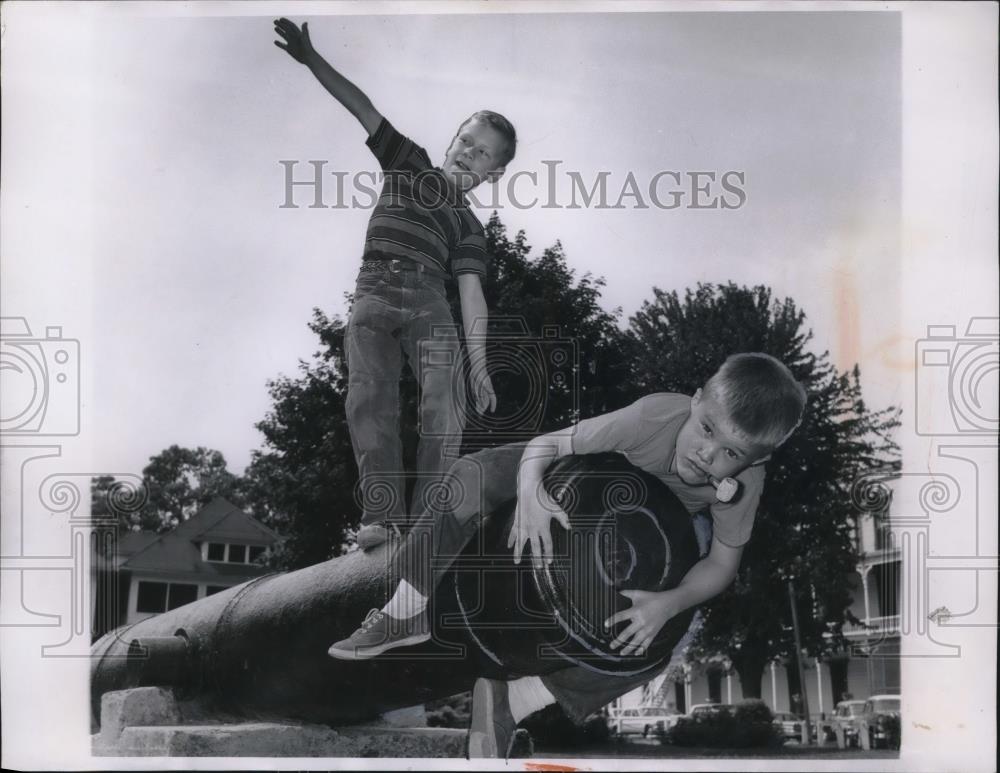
{"x": 421, "y": 233}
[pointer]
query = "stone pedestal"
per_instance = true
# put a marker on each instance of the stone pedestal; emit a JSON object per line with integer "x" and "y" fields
{"x": 150, "y": 722}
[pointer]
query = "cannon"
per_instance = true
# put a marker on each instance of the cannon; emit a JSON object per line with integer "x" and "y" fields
{"x": 260, "y": 649}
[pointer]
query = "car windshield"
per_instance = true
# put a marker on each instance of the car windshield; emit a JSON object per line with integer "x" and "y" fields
{"x": 886, "y": 704}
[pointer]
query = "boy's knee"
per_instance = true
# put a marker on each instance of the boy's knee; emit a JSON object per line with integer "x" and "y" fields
{"x": 465, "y": 485}
{"x": 372, "y": 409}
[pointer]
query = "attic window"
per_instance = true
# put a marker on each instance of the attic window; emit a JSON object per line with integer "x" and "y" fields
{"x": 229, "y": 553}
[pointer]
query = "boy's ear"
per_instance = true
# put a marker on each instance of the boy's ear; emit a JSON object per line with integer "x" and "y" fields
{"x": 697, "y": 397}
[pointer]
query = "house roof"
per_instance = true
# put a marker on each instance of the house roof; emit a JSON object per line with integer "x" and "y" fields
{"x": 222, "y": 521}
{"x": 132, "y": 542}
{"x": 178, "y": 551}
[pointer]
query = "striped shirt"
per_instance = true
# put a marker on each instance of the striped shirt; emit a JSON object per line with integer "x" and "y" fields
{"x": 420, "y": 215}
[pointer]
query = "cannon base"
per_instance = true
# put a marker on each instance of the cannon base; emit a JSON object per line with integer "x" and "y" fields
{"x": 152, "y": 722}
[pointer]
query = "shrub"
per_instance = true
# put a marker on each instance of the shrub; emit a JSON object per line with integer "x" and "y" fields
{"x": 749, "y": 724}
{"x": 551, "y": 726}
{"x": 450, "y": 712}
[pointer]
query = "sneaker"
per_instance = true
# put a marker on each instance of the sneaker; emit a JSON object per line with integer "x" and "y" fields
{"x": 380, "y": 632}
{"x": 374, "y": 534}
{"x": 491, "y": 730}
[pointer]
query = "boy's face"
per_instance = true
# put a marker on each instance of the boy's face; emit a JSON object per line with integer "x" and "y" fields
{"x": 474, "y": 155}
{"x": 709, "y": 445}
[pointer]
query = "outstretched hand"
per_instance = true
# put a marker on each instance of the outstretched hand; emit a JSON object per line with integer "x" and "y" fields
{"x": 533, "y": 517}
{"x": 649, "y": 612}
{"x": 297, "y": 42}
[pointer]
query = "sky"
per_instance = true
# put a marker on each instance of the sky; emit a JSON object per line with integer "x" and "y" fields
{"x": 148, "y": 186}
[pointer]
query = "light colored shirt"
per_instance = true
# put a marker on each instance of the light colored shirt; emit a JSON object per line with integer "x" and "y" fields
{"x": 645, "y": 433}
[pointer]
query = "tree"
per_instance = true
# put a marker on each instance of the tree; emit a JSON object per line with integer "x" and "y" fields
{"x": 302, "y": 482}
{"x": 175, "y": 484}
{"x": 180, "y": 481}
{"x": 117, "y": 500}
{"x": 545, "y": 295}
{"x": 101, "y": 487}
{"x": 805, "y": 523}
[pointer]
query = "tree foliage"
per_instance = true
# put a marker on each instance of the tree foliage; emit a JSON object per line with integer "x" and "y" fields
{"x": 177, "y": 483}
{"x": 805, "y": 524}
{"x": 302, "y": 482}
{"x": 546, "y": 296}
{"x": 180, "y": 481}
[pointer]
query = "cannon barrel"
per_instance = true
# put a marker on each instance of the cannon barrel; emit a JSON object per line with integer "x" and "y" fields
{"x": 260, "y": 648}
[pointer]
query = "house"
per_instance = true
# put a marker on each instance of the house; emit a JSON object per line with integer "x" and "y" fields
{"x": 869, "y": 665}
{"x": 141, "y": 574}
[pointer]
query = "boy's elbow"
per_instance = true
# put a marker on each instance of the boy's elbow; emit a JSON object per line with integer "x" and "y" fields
{"x": 726, "y": 560}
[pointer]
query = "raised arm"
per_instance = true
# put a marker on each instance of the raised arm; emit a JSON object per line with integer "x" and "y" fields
{"x": 299, "y": 47}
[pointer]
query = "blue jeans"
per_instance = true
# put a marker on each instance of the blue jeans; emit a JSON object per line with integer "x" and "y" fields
{"x": 396, "y": 313}
{"x": 479, "y": 483}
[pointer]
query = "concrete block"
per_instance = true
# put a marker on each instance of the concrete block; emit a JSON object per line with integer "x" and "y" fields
{"x": 251, "y": 739}
{"x": 367, "y": 741}
{"x": 411, "y": 716}
{"x": 267, "y": 739}
{"x": 139, "y": 706}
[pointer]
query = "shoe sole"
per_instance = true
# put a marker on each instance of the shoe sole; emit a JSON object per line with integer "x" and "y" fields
{"x": 364, "y": 653}
{"x": 482, "y": 743}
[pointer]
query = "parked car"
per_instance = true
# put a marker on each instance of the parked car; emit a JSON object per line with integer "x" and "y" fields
{"x": 844, "y": 723}
{"x": 642, "y": 720}
{"x": 707, "y": 709}
{"x": 879, "y": 722}
{"x": 790, "y": 725}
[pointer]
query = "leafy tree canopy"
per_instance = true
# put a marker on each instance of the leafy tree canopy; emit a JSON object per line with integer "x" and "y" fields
{"x": 805, "y": 524}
